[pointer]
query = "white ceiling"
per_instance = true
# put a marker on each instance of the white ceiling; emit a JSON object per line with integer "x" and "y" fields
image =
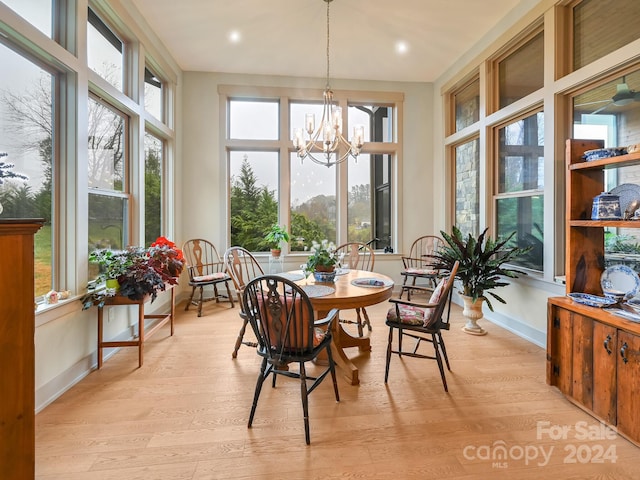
{"x": 288, "y": 37}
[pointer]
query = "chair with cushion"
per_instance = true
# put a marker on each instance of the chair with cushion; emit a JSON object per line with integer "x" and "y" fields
{"x": 205, "y": 268}
{"x": 422, "y": 322}
{"x": 242, "y": 267}
{"x": 419, "y": 263}
{"x": 282, "y": 318}
{"x": 357, "y": 256}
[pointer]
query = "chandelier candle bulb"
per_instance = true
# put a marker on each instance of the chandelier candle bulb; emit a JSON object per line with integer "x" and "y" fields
{"x": 310, "y": 121}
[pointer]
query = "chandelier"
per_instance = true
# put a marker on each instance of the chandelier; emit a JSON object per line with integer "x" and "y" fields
{"x": 326, "y": 145}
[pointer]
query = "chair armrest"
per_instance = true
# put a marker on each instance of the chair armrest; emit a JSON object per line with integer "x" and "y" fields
{"x": 333, "y": 313}
{"x": 398, "y": 302}
{"x": 418, "y": 289}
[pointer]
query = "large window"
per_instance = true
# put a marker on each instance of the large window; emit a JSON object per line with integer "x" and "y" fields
{"x": 519, "y": 200}
{"x": 107, "y": 178}
{"x": 27, "y": 138}
{"x": 310, "y": 203}
{"x": 153, "y": 198}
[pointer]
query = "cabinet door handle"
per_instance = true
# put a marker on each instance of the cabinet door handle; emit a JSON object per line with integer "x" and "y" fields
{"x": 623, "y": 352}
{"x": 606, "y": 344}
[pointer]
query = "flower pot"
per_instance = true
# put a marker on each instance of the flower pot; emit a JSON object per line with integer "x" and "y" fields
{"x": 472, "y": 312}
{"x": 113, "y": 285}
{"x": 324, "y": 277}
{"x": 325, "y": 268}
{"x": 275, "y": 252}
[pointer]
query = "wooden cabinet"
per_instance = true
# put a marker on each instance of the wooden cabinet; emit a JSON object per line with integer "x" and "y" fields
{"x": 17, "y": 329}
{"x": 593, "y": 356}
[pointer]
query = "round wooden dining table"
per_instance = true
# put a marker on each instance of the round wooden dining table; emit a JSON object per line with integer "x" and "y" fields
{"x": 347, "y": 294}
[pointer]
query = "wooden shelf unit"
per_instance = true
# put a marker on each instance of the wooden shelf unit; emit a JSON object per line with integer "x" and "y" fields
{"x": 593, "y": 356}
{"x": 143, "y": 333}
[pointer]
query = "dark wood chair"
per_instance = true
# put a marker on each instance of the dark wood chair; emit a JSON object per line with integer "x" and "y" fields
{"x": 242, "y": 267}
{"x": 282, "y": 318}
{"x": 422, "y": 322}
{"x": 357, "y": 256}
{"x": 418, "y": 264}
{"x": 205, "y": 268}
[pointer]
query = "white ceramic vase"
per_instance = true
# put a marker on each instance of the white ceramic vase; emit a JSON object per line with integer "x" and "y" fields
{"x": 473, "y": 312}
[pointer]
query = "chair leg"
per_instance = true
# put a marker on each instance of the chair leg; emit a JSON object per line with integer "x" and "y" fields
{"x": 360, "y": 314}
{"x": 240, "y": 337}
{"x": 359, "y": 323}
{"x": 305, "y": 401}
{"x": 386, "y": 368}
{"x": 201, "y": 301}
{"x": 215, "y": 292}
{"x": 226, "y": 284}
{"x": 332, "y": 366}
{"x": 439, "y": 360}
{"x": 444, "y": 351}
{"x": 256, "y": 395}
{"x": 186, "y": 307}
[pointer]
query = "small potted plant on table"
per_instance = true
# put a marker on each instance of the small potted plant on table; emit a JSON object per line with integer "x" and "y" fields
{"x": 323, "y": 261}
{"x": 275, "y": 237}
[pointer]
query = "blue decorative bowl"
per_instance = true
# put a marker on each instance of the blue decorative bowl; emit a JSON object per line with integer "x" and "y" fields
{"x": 325, "y": 277}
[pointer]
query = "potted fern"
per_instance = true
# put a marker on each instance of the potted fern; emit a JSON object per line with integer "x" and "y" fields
{"x": 482, "y": 269}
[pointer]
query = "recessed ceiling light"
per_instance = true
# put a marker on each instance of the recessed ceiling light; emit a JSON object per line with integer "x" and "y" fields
{"x": 402, "y": 47}
{"x": 234, "y": 36}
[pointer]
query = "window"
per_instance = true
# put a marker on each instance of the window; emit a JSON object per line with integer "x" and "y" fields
{"x": 519, "y": 197}
{"x": 153, "y": 163}
{"x": 105, "y": 51}
{"x": 466, "y": 102}
{"x": 310, "y": 203}
{"x": 27, "y": 137}
{"x": 600, "y": 27}
{"x": 107, "y": 178}
{"x": 313, "y": 203}
{"x": 153, "y": 94}
{"x": 254, "y": 197}
{"x": 522, "y": 71}
{"x": 467, "y": 192}
{"x": 36, "y": 12}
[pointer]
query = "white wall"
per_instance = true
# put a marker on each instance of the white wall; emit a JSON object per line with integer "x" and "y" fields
{"x": 204, "y": 171}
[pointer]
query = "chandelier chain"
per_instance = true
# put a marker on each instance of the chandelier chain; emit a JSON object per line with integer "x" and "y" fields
{"x": 328, "y": 58}
{"x": 327, "y": 141}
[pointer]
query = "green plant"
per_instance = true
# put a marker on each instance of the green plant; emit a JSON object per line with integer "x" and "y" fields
{"x": 481, "y": 262}
{"x": 323, "y": 254}
{"x": 114, "y": 263}
{"x": 139, "y": 271}
{"x": 277, "y": 235}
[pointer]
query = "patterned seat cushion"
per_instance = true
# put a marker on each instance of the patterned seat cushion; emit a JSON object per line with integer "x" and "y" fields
{"x": 210, "y": 277}
{"x": 420, "y": 271}
{"x": 409, "y": 315}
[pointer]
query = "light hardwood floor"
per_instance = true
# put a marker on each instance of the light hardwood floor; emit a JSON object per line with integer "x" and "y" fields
{"x": 183, "y": 415}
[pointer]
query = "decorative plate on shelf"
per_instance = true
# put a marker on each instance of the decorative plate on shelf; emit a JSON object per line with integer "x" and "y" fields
{"x": 621, "y": 278}
{"x": 599, "y": 153}
{"x": 628, "y": 192}
{"x": 591, "y": 300}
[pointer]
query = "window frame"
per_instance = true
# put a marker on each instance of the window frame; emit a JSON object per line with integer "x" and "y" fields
{"x": 284, "y": 145}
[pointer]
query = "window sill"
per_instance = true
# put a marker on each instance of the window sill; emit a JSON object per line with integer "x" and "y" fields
{"x": 46, "y": 313}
